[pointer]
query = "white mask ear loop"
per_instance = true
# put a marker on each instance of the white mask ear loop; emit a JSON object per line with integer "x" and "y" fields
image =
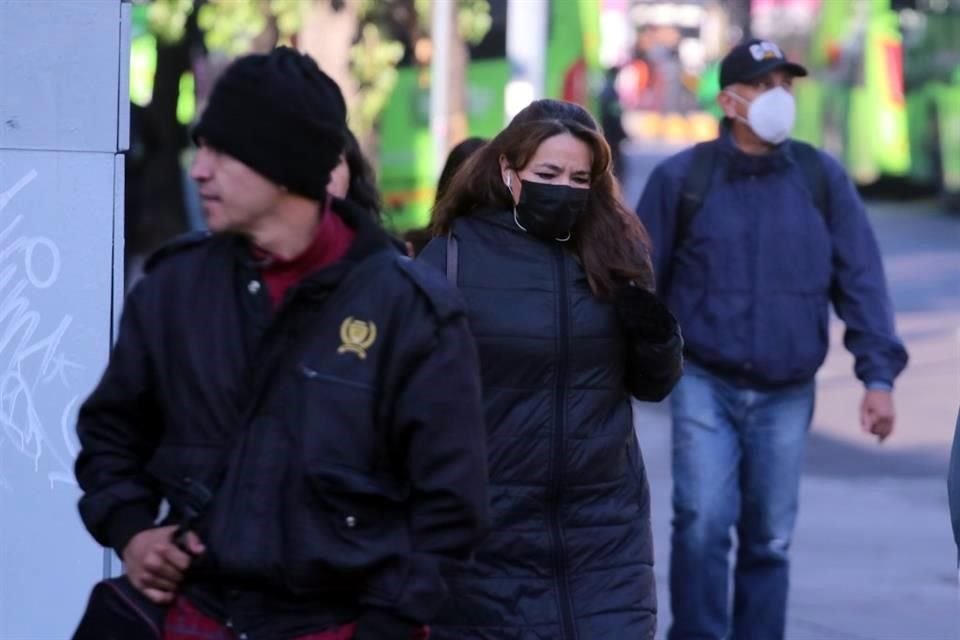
{"x": 516, "y": 220}
{"x": 741, "y": 100}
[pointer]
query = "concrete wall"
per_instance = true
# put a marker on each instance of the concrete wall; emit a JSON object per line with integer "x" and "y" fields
{"x": 63, "y": 125}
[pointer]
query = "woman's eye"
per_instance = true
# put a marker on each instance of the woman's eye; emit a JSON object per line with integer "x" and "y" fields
{"x": 545, "y": 176}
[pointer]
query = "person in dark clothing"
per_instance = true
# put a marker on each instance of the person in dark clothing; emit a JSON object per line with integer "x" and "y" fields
{"x": 304, "y": 398}
{"x": 556, "y": 277}
{"x": 611, "y": 118}
{"x": 353, "y": 178}
{"x": 455, "y": 159}
{"x": 953, "y": 486}
{"x": 751, "y": 268}
{"x": 417, "y": 239}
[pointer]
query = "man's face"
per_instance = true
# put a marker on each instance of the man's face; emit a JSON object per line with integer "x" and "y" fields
{"x": 747, "y": 91}
{"x": 235, "y": 198}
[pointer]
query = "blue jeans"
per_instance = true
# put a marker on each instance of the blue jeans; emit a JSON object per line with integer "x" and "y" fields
{"x": 737, "y": 456}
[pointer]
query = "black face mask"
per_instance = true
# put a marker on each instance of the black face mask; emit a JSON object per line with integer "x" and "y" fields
{"x": 549, "y": 211}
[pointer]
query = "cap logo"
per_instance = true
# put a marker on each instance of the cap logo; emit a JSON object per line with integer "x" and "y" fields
{"x": 765, "y": 51}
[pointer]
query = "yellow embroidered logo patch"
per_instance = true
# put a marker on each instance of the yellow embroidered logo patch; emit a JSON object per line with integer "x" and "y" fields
{"x": 357, "y": 336}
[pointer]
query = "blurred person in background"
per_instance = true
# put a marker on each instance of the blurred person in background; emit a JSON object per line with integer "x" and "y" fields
{"x": 611, "y": 119}
{"x": 417, "y": 239}
{"x": 305, "y": 400}
{"x": 455, "y": 159}
{"x": 754, "y": 236}
{"x": 353, "y": 178}
{"x": 953, "y": 486}
{"x": 556, "y": 276}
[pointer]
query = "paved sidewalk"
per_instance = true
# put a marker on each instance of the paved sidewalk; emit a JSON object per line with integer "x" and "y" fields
{"x": 873, "y": 556}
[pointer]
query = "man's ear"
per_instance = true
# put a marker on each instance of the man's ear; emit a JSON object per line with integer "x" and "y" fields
{"x": 727, "y": 104}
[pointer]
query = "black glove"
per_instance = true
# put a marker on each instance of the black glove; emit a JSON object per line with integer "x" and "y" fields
{"x": 643, "y": 315}
{"x": 381, "y": 624}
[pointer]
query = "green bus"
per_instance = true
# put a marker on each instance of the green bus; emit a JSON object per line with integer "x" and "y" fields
{"x": 884, "y": 91}
{"x": 853, "y": 105}
{"x": 931, "y": 32}
{"x": 406, "y": 154}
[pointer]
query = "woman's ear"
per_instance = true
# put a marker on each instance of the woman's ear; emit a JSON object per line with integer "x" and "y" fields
{"x": 506, "y": 172}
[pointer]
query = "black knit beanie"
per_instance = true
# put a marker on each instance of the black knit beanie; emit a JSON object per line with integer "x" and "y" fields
{"x": 280, "y": 115}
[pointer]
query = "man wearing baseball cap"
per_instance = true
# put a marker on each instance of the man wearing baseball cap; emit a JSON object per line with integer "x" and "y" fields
{"x": 755, "y": 236}
{"x": 303, "y": 398}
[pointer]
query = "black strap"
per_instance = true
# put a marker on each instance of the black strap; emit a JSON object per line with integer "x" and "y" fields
{"x": 453, "y": 258}
{"x": 815, "y": 176}
{"x": 695, "y": 186}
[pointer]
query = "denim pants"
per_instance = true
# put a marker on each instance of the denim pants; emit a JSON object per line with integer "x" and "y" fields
{"x": 737, "y": 456}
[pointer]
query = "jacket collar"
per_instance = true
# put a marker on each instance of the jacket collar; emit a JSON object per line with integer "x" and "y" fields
{"x": 743, "y": 165}
{"x": 370, "y": 240}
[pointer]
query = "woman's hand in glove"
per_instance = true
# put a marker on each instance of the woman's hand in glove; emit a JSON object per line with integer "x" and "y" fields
{"x": 643, "y": 314}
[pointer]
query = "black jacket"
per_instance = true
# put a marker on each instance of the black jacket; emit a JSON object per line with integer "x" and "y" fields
{"x": 570, "y": 551}
{"x": 342, "y": 435}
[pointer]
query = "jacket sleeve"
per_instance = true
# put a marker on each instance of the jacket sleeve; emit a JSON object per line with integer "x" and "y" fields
{"x": 953, "y": 485}
{"x": 653, "y": 344}
{"x": 118, "y": 428}
{"x": 654, "y": 368}
{"x": 657, "y": 210}
{"x": 438, "y": 423}
{"x": 859, "y": 288}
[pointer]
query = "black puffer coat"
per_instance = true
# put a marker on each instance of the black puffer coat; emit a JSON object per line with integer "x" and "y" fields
{"x": 570, "y": 553}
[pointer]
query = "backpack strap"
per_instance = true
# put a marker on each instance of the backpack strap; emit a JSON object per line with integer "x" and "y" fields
{"x": 694, "y": 189}
{"x": 815, "y": 176}
{"x": 696, "y": 183}
{"x": 453, "y": 258}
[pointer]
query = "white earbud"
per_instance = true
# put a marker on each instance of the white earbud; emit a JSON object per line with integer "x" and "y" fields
{"x": 509, "y": 181}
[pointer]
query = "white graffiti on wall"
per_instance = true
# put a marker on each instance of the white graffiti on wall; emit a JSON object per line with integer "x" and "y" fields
{"x": 32, "y": 360}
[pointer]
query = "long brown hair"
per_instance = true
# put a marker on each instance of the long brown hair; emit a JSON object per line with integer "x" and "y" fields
{"x": 609, "y": 239}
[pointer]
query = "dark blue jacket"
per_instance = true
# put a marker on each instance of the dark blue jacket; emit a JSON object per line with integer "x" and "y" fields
{"x": 569, "y": 556}
{"x": 953, "y": 484}
{"x": 752, "y": 282}
{"x": 349, "y": 421}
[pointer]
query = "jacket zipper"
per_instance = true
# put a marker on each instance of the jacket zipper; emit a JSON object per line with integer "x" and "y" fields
{"x": 568, "y": 627}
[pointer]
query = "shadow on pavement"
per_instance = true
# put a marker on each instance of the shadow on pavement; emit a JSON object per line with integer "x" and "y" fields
{"x": 832, "y": 457}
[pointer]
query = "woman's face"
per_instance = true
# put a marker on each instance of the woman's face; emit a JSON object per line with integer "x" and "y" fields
{"x": 339, "y": 183}
{"x": 562, "y": 159}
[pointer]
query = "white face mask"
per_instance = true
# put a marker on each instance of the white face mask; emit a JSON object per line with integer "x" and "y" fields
{"x": 771, "y": 115}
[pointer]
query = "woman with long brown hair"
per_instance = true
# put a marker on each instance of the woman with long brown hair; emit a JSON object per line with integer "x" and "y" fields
{"x": 556, "y": 276}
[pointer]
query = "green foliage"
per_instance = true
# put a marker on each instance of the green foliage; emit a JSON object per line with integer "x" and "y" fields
{"x": 373, "y": 60}
{"x": 167, "y": 18}
{"x": 230, "y": 26}
{"x": 473, "y": 19}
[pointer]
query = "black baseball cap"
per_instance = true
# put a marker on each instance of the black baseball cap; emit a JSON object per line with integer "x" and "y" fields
{"x": 753, "y": 58}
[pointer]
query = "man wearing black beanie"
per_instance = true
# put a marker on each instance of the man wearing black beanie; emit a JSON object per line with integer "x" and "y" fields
{"x": 303, "y": 399}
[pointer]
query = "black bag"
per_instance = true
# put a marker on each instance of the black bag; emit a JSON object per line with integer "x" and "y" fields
{"x": 117, "y": 611}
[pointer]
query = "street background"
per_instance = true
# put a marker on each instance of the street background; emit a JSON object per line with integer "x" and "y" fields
{"x": 873, "y": 555}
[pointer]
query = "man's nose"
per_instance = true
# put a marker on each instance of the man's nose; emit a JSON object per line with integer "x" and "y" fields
{"x": 200, "y": 169}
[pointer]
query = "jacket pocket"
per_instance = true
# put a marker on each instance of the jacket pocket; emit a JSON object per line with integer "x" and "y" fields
{"x": 350, "y": 534}
{"x": 336, "y": 424}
